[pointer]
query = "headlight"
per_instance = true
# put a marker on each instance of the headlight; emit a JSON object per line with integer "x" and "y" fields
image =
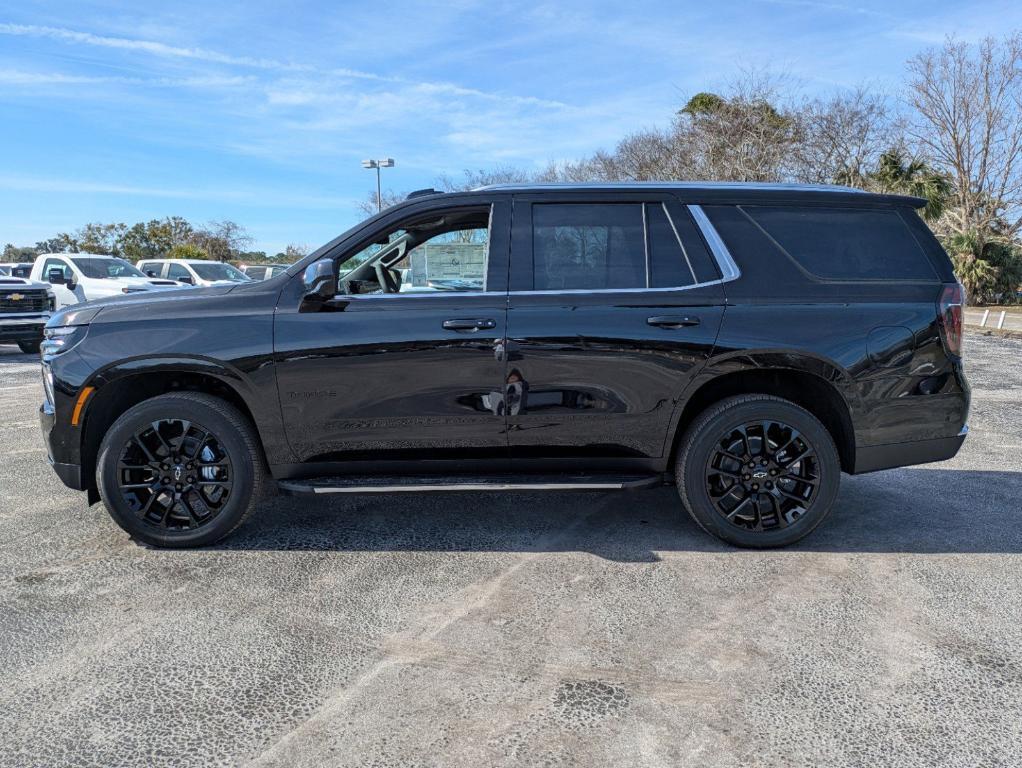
{"x": 62, "y": 338}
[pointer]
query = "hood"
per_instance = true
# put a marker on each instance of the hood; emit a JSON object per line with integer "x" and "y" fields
{"x": 85, "y": 311}
{"x": 8, "y": 283}
{"x": 146, "y": 283}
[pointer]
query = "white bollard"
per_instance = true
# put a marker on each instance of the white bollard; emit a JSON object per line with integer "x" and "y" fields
{"x": 983, "y": 322}
{"x": 1000, "y": 321}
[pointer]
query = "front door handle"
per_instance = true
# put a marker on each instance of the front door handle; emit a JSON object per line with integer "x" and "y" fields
{"x": 672, "y": 321}
{"x": 460, "y": 324}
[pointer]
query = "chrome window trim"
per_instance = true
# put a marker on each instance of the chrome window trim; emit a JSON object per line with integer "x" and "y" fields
{"x": 645, "y": 246}
{"x": 677, "y": 237}
{"x": 728, "y": 269}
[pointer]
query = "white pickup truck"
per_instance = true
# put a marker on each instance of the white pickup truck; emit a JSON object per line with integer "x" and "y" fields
{"x": 78, "y": 277}
{"x": 25, "y": 306}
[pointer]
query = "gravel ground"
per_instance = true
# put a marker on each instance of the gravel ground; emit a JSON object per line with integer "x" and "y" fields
{"x": 522, "y": 629}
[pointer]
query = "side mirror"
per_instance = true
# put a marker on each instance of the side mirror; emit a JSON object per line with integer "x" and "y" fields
{"x": 320, "y": 280}
{"x": 186, "y": 279}
{"x": 150, "y": 273}
{"x": 55, "y": 276}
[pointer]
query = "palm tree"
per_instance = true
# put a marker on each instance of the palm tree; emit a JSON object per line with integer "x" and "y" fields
{"x": 977, "y": 275}
{"x": 896, "y": 174}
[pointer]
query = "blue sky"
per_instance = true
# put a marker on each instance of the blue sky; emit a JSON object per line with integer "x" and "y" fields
{"x": 261, "y": 112}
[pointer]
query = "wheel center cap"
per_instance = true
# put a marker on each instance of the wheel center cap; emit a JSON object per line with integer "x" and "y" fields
{"x": 178, "y": 472}
{"x": 760, "y": 475}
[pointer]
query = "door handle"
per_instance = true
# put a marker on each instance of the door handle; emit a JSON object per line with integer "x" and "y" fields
{"x": 672, "y": 321}
{"x": 469, "y": 325}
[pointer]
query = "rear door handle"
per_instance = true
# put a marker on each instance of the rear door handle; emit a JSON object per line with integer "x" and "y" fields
{"x": 672, "y": 321}
{"x": 460, "y": 324}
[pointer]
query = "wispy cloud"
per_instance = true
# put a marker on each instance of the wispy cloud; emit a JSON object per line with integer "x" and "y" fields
{"x": 156, "y": 48}
{"x": 20, "y": 77}
{"x": 275, "y": 198}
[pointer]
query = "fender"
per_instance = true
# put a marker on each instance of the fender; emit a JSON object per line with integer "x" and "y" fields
{"x": 768, "y": 360}
{"x": 259, "y": 398}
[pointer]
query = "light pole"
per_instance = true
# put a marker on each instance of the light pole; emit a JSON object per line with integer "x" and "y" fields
{"x": 387, "y": 162}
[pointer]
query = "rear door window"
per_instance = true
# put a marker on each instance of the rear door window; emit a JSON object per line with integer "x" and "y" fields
{"x": 588, "y": 247}
{"x": 845, "y": 243}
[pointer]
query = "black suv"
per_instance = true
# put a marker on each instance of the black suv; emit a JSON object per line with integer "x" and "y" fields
{"x": 745, "y": 342}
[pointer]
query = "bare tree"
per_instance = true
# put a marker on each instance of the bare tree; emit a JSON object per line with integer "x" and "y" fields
{"x": 222, "y": 240}
{"x": 841, "y": 139}
{"x": 968, "y": 105}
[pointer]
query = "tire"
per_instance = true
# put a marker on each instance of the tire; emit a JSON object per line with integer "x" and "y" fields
{"x": 221, "y": 476}
{"x": 30, "y": 347}
{"x": 730, "y": 499}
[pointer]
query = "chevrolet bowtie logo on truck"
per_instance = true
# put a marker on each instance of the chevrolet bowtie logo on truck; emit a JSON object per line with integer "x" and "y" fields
{"x": 16, "y": 296}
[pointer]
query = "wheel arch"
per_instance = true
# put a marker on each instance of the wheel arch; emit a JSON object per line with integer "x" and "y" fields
{"x": 815, "y": 386}
{"x": 120, "y": 387}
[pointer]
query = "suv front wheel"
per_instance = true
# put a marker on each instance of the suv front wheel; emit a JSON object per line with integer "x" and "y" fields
{"x": 180, "y": 470}
{"x": 757, "y": 471}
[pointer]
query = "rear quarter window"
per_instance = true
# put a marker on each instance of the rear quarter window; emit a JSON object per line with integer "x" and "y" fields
{"x": 845, "y": 243}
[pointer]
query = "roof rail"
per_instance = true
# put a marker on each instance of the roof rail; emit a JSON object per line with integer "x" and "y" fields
{"x": 423, "y": 193}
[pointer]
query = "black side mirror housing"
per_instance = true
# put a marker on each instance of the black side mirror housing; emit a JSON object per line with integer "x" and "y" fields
{"x": 55, "y": 276}
{"x": 320, "y": 280}
{"x": 187, "y": 279}
{"x": 150, "y": 273}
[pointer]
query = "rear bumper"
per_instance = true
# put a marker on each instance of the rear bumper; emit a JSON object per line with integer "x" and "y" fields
{"x": 870, "y": 458}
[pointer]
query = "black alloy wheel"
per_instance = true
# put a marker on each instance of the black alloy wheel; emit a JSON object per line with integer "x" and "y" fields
{"x": 757, "y": 471}
{"x": 763, "y": 475}
{"x": 180, "y": 470}
{"x": 175, "y": 474}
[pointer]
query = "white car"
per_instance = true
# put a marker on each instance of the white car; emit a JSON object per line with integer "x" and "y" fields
{"x": 78, "y": 277}
{"x": 194, "y": 271}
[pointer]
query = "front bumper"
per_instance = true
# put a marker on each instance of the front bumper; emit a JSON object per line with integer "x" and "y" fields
{"x": 69, "y": 474}
{"x": 20, "y": 328}
{"x": 870, "y": 458}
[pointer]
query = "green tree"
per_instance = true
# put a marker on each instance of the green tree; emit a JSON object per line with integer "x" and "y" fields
{"x": 900, "y": 175}
{"x": 977, "y": 275}
{"x": 100, "y": 238}
{"x": 153, "y": 239}
{"x": 186, "y": 251}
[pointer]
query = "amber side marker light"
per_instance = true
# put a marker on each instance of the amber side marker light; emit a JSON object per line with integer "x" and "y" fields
{"x": 80, "y": 404}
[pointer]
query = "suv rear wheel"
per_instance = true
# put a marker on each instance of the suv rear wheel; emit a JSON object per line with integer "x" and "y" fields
{"x": 180, "y": 470}
{"x": 757, "y": 471}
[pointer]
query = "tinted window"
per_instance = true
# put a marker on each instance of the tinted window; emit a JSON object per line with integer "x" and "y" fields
{"x": 668, "y": 260}
{"x": 588, "y": 246}
{"x": 105, "y": 268}
{"x": 256, "y": 273}
{"x": 177, "y": 272}
{"x": 217, "y": 270}
{"x": 57, "y": 264}
{"x": 845, "y": 243}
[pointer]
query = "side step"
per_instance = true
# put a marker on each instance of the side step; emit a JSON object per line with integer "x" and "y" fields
{"x": 430, "y": 483}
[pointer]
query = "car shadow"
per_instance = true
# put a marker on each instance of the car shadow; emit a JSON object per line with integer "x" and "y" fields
{"x": 918, "y": 510}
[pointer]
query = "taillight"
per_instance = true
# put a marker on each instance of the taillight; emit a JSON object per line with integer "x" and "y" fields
{"x": 949, "y": 313}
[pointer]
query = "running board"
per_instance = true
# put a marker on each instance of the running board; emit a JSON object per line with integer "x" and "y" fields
{"x": 441, "y": 483}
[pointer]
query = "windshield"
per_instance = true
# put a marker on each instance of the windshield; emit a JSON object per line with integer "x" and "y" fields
{"x": 106, "y": 267}
{"x": 216, "y": 270}
{"x": 4, "y": 270}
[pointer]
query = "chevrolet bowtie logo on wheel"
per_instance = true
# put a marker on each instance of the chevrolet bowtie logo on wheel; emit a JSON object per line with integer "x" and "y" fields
{"x": 16, "y": 296}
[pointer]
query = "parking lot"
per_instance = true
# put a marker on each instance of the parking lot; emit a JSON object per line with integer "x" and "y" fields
{"x": 522, "y": 629}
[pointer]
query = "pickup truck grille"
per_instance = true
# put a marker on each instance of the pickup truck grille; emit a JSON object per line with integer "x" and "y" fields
{"x": 26, "y": 302}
